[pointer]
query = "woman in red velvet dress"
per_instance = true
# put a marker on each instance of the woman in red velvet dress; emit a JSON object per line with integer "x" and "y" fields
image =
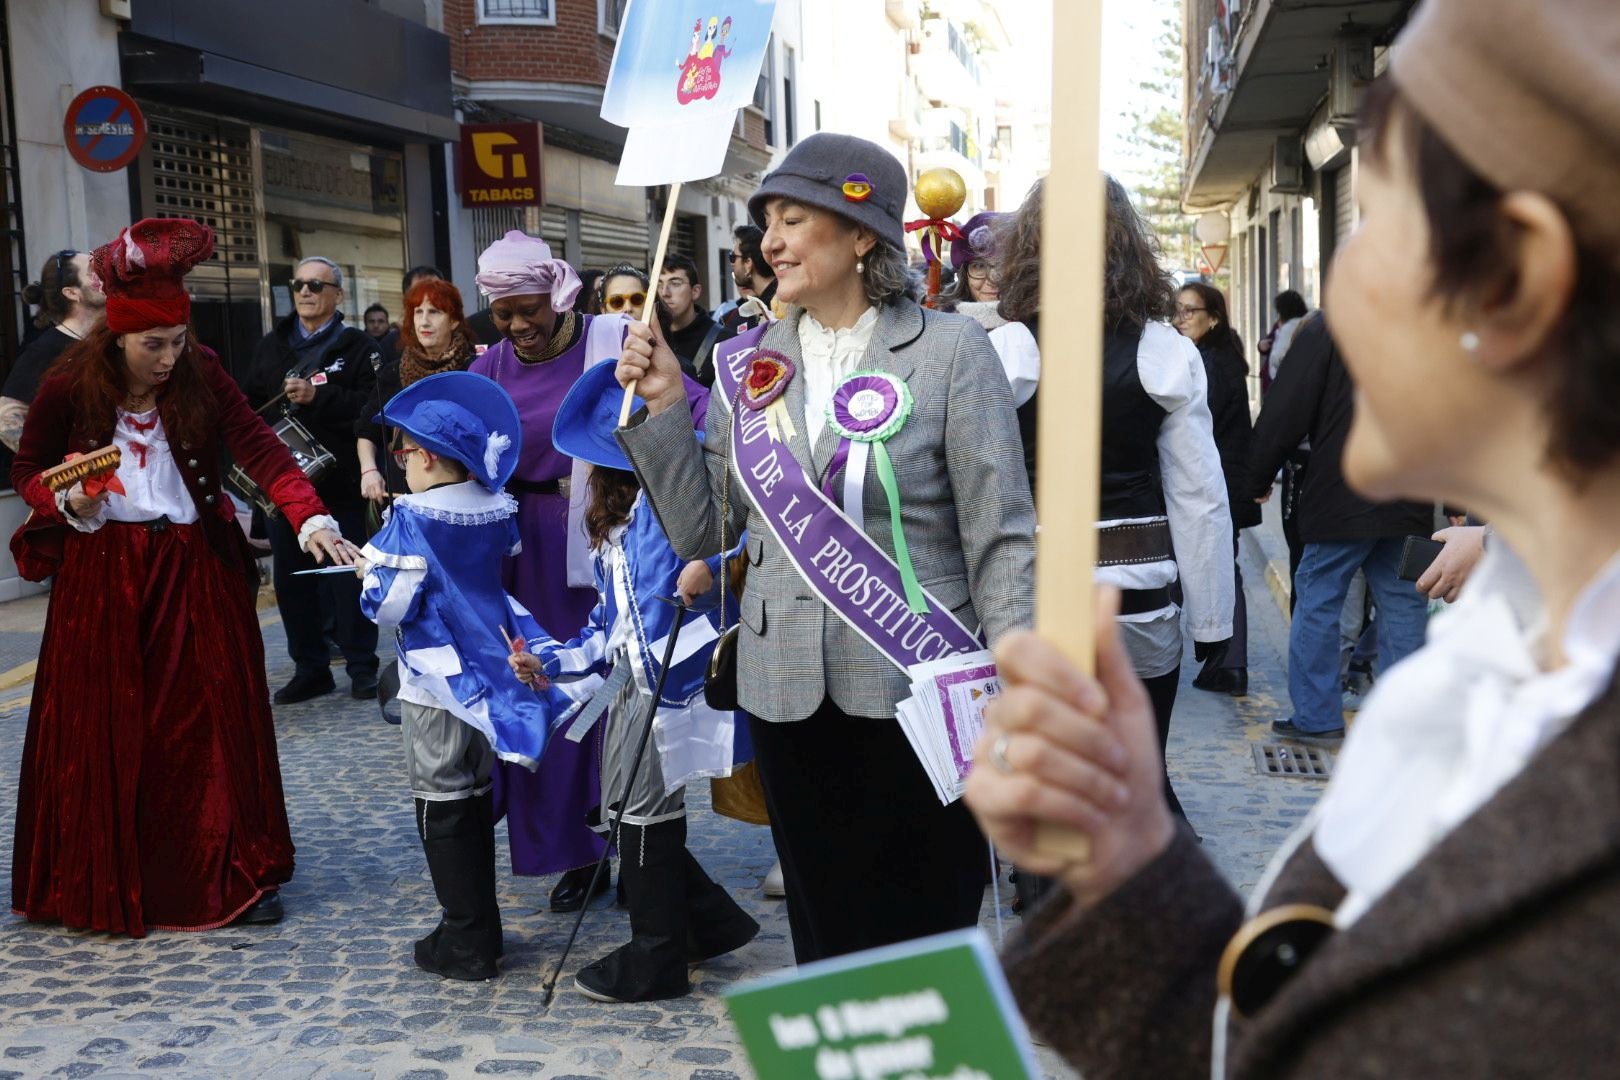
{"x": 150, "y": 792}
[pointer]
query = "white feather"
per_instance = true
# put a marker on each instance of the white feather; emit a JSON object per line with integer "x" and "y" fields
{"x": 496, "y": 445}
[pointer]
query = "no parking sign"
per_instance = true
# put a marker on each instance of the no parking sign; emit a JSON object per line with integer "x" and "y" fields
{"x": 104, "y": 129}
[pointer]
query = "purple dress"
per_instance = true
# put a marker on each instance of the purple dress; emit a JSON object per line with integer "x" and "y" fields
{"x": 545, "y": 810}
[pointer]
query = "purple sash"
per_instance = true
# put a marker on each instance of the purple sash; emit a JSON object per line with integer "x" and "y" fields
{"x": 846, "y": 570}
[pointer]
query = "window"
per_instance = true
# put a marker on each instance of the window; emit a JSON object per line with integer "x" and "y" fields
{"x": 765, "y": 91}
{"x": 962, "y": 50}
{"x": 609, "y": 16}
{"x": 959, "y": 139}
{"x": 523, "y": 12}
{"x": 789, "y": 102}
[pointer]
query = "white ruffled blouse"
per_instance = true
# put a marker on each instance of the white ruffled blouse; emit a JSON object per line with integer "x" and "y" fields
{"x": 829, "y": 356}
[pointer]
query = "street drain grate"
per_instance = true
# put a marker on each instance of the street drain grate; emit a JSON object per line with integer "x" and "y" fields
{"x": 1292, "y": 759}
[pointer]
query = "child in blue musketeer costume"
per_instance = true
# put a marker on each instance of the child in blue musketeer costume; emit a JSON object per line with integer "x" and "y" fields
{"x": 678, "y": 915}
{"x": 433, "y": 573}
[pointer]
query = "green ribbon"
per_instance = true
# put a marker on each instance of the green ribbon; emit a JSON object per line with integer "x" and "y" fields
{"x": 916, "y": 600}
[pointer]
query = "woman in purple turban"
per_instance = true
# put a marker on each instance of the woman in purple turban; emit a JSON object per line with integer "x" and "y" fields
{"x": 545, "y": 346}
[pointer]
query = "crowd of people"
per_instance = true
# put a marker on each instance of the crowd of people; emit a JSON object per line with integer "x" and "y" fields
{"x": 479, "y": 459}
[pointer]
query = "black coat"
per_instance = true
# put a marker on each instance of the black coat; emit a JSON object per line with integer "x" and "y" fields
{"x": 1227, "y": 374}
{"x": 349, "y": 358}
{"x": 1313, "y": 398}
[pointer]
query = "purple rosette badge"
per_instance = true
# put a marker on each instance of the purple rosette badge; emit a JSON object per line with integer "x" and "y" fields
{"x": 870, "y": 407}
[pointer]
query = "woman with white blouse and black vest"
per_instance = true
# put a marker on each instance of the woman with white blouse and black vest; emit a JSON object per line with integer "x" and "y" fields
{"x": 1164, "y": 516}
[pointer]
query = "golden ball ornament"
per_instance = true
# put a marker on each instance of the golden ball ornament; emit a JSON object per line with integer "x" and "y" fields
{"x": 940, "y": 192}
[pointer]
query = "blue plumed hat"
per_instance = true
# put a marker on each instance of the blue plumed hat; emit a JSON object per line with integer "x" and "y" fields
{"x": 589, "y": 415}
{"x": 462, "y": 416}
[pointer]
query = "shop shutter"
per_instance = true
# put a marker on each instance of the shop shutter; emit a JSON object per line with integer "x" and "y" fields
{"x": 196, "y": 167}
{"x": 490, "y": 224}
{"x": 606, "y": 241}
{"x": 1344, "y": 205}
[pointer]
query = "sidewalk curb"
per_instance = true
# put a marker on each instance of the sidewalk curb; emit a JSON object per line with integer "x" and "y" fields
{"x": 1265, "y": 552}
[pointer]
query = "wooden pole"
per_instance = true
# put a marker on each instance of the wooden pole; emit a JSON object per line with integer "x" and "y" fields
{"x": 652, "y": 288}
{"x": 1070, "y": 423}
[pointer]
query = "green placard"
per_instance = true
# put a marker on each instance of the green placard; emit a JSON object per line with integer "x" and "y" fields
{"x": 933, "y": 1009}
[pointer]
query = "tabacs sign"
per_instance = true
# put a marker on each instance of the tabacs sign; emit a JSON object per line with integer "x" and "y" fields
{"x": 500, "y": 165}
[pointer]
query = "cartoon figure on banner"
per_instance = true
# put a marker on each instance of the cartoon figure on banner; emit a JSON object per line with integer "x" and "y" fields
{"x": 700, "y": 71}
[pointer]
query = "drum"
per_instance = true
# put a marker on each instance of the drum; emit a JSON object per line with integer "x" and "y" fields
{"x": 313, "y": 459}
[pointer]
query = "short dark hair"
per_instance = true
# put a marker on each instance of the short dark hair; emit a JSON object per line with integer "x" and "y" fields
{"x": 1291, "y": 305}
{"x": 416, "y": 272}
{"x": 676, "y": 261}
{"x": 1471, "y": 251}
{"x": 749, "y": 238}
{"x": 374, "y": 307}
{"x": 1215, "y": 307}
{"x": 59, "y": 272}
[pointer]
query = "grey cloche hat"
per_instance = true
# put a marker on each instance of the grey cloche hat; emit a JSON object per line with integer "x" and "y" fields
{"x": 845, "y": 175}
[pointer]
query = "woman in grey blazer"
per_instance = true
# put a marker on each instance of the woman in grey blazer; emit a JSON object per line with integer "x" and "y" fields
{"x": 869, "y": 856}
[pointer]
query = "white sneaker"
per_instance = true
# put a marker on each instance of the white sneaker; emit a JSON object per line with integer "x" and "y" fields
{"x": 774, "y": 887}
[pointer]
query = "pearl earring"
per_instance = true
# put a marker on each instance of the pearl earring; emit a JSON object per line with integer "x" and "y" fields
{"x": 860, "y": 266}
{"x": 1469, "y": 341}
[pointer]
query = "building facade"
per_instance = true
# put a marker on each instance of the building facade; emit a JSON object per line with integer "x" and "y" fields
{"x": 548, "y": 60}
{"x": 1272, "y": 91}
{"x": 304, "y": 127}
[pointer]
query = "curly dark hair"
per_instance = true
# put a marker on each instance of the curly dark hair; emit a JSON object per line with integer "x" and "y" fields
{"x": 1471, "y": 249}
{"x": 1018, "y": 258}
{"x": 613, "y": 492}
{"x": 1136, "y": 289}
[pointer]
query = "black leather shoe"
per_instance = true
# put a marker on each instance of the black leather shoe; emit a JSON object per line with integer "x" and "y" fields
{"x": 1287, "y": 729}
{"x": 304, "y": 687}
{"x": 1231, "y": 681}
{"x": 267, "y": 910}
{"x": 363, "y": 688}
{"x": 569, "y": 895}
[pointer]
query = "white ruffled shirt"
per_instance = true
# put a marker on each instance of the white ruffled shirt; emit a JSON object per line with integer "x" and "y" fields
{"x": 829, "y": 356}
{"x": 153, "y": 486}
{"x": 1446, "y": 729}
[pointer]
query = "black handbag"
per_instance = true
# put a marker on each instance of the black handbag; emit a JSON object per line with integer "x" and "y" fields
{"x": 720, "y": 680}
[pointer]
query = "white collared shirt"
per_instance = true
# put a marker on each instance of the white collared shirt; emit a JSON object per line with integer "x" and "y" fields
{"x": 829, "y": 356}
{"x": 153, "y": 486}
{"x": 1448, "y": 727}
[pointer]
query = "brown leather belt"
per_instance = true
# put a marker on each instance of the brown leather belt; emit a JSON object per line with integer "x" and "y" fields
{"x": 1125, "y": 545}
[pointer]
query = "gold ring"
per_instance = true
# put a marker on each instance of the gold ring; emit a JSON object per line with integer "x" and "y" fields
{"x": 998, "y": 754}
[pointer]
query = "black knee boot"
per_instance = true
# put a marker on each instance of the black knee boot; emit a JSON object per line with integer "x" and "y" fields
{"x": 715, "y": 924}
{"x": 651, "y": 966}
{"x": 457, "y": 838}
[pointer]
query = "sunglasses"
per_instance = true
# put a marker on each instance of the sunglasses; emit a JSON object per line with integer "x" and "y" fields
{"x": 298, "y": 285}
{"x": 732, "y": 256}
{"x": 403, "y": 454}
{"x": 624, "y": 301}
{"x": 60, "y": 257}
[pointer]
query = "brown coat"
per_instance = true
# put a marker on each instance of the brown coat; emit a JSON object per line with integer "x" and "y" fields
{"x": 1497, "y": 955}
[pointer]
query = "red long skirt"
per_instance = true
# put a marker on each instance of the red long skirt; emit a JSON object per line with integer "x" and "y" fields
{"x": 150, "y": 792}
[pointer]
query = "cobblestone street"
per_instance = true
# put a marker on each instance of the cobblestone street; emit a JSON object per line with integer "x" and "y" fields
{"x": 331, "y": 991}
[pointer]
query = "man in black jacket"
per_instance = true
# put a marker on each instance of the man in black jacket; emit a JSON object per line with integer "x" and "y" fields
{"x": 1313, "y": 398}
{"x": 322, "y": 372}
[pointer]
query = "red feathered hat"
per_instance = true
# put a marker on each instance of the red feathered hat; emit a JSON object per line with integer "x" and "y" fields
{"x": 143, "y": 272}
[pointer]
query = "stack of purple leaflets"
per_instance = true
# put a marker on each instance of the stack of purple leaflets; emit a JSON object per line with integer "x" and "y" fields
{"x": 944, "y": 715}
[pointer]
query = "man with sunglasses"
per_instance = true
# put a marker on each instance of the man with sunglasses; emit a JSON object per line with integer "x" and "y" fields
{"x": 316, "y": 368}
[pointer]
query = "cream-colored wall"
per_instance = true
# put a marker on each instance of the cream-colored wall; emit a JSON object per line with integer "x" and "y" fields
{"x": 59, "y": 49}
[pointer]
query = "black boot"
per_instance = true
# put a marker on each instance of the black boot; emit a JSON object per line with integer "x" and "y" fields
{"x": 651, "y": 966}
{"x": 460, "y": 853}
{"x": 484, "y": 807}
{"x": 715, "y": 925}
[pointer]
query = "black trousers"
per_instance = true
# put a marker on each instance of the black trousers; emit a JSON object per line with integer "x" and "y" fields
{"x": 307, "y": 604}
{"x": 1161, "y": 690}
{"x": 869, "y": 856}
